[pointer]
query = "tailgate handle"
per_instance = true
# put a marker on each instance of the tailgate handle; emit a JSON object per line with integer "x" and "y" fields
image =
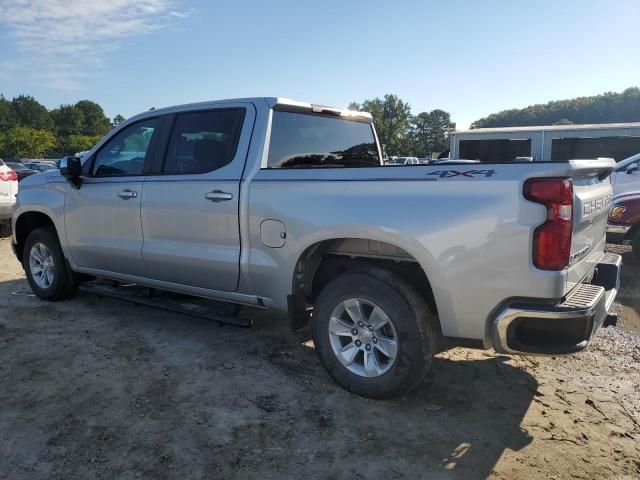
{"x": 218, "y": 196}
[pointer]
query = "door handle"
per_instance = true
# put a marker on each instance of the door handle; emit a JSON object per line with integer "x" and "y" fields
{"x": 218, "y": 196}
{"x": 127, "y": 194}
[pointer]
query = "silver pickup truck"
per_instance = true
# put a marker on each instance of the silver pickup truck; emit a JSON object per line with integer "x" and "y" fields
{"x": 281, "y": 204}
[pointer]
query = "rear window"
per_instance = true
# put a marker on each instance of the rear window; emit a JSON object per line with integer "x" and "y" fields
{"x": 301, "y": 140}
{"x": 494, "y": 151}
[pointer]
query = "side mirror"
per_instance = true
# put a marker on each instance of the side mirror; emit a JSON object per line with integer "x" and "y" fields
{"x": 71, "y": 169}
{"x": 632, "y": 168}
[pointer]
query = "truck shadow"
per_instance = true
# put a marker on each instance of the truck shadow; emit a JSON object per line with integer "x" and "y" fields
{"x": 156, "y": 387}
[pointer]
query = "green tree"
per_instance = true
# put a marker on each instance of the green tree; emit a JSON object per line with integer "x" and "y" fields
{"x": 26, "y": 142}
{"x": 392, "y": 117}
{"x": 95, "y": 121}
{"x": 117, "y": 120}
{"x": 68, "y": 120}
{"x": 73, "y": 144}
{"x": 606, "y": 108}
{"x": 430, "y": 132}
{"x": 29, "y": 112}
{"x": 7, "y": 117}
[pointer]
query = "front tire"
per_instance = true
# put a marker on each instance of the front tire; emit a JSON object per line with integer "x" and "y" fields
{"x": 45, "y": 266}
{"x": 374, "y": 333}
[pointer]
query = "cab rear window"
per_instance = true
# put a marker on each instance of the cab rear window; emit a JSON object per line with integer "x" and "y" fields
{"x": 301, "y": 140}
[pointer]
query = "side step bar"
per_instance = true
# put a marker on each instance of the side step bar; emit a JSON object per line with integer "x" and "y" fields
{"x": 187, "y": 305}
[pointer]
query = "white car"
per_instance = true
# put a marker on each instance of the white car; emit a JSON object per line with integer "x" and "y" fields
{"x": 403, "y": 161}
{"x": 8, "y": 192}
{"x": 626, "y": 177}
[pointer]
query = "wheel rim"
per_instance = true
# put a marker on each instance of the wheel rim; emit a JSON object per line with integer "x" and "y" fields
{"x": 363, "y": 338}
{"x": 41, "y": 265}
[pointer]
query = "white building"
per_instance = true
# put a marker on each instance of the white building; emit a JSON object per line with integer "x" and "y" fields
{"x": 547, "y": 143}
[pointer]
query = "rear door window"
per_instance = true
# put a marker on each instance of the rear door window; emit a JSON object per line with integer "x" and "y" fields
{"x": 301, "y": 140}
{"x": 203, "y": 141}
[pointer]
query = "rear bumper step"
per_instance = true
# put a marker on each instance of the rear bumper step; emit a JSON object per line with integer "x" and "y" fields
{"x": 566, "y": 327}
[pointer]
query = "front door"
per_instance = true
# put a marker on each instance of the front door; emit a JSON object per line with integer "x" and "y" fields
{"x": 102, "y": 217}
{"x": 190, "y": 207}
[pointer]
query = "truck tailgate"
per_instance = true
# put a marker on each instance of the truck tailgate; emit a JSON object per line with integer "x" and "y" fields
{"x": 592, "y": 198}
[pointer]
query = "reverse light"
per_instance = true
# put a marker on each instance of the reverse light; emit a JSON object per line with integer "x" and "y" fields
{"x": 9, "y": 176}
{"x": 552, "y": 239}
{"x": 616, "y": 211}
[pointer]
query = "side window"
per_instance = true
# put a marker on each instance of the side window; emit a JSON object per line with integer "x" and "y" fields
{"x": 125, "y": 153}
{"x": 301, "y": 140}
{"x": 203, "y": 141}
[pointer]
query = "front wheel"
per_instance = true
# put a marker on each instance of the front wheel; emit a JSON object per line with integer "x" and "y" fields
{"x": 45, "y": 266}
{"x": 374, "y": 333}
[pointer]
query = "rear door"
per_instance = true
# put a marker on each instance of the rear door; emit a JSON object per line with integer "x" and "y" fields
{"x": 190, "y": 205}
{"x": 102, "y": 217}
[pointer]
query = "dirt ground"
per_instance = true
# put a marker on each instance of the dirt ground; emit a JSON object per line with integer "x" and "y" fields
{"x": 98, "y": 388}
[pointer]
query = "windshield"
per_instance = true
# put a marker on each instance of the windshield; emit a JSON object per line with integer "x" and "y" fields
{"x": 622, "y": 165}
{"x": 16, "y": 166}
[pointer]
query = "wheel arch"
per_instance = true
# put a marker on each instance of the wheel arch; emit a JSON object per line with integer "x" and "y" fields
{"x": 27, "y": 222}
{"x": 323, "y": 260}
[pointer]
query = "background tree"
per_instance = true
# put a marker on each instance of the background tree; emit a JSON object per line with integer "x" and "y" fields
{"x": 28, "y": 112}
{"x": 68, "y": 120}
{"x": 26, "y": 142}
{"x": 73, "y": 144}
{"x": 392, "y": 117}
{"x": 7, "y": 117}
{"x": 430, "y": 132}
{"x": 117, "y": 120}
{"x": 606, "y": 108}
{"x": 95, "y": 122}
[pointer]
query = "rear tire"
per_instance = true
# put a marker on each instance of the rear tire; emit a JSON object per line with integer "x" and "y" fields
{"x": 635, "y": 247}
{"x": 46, "y": 269}
{"x": 345, "y": 345}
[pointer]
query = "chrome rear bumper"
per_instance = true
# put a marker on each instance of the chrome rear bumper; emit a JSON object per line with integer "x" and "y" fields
{"x": 566, "y": 327}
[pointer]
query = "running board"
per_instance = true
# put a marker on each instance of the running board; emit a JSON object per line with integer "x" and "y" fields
{"x": 185, "y": 304}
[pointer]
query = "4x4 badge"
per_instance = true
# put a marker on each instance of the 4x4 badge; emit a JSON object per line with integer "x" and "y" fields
{"x": 466, "y": 173}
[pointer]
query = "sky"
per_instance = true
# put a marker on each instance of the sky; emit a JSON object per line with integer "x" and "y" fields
{"x": 470, "y": 58}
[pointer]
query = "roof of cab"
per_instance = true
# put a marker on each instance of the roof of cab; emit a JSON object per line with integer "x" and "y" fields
{"x": 271, "y": 102}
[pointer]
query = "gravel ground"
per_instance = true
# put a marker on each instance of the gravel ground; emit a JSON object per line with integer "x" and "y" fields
{"x": 97, "y": 388}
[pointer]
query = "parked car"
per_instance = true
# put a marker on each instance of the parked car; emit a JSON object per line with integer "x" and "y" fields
{"x": 403, "y": 161}
{"x": 21, "y": 170}
{"x": 286, "y": 205}
{"x": 40, "y": 166}
{"x": 626, "y": 176}
{"x": 8, "y": 192}
{"x": 624, "y": 221}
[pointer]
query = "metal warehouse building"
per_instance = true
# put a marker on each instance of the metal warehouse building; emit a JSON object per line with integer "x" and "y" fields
{"x": 547, "y": 143}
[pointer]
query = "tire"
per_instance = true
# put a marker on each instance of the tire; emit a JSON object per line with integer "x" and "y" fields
{"x": 63, "y": 282}
{"x": 414, "y": 326}
{"x": 635, "y": 247}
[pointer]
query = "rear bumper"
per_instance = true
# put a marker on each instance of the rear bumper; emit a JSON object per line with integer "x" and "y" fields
{"x": 617, "y": 233}
{"x": 566, "y": 327}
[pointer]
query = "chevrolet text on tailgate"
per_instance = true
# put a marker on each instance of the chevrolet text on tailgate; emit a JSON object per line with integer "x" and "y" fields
{"x": 286, "y": 205}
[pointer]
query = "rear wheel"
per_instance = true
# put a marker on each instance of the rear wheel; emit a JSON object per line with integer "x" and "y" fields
{"x": 45, "y": 266}
{"x": 635, "y": 246}
{"x": 374, "y": 333}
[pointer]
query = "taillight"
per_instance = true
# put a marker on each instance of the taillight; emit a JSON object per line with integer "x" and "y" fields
{"x": 9, "y": 176}
{"x": 552, "y": 239}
